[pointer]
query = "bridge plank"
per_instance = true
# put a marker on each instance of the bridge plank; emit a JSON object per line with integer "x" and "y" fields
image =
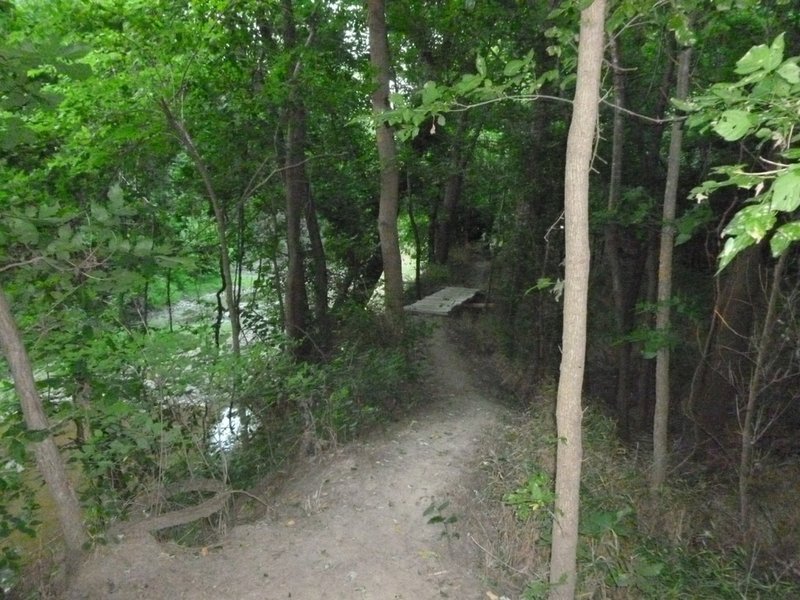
{"x": 442, "y": 302}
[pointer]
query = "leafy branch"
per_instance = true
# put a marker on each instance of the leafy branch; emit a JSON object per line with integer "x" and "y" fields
{"x": 763, "y": 105}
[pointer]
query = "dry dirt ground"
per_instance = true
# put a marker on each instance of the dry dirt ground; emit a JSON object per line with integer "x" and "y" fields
{"x": 349, "y": 524}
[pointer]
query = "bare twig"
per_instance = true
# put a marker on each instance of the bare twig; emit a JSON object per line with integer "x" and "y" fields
{"x": 495, "y": 557}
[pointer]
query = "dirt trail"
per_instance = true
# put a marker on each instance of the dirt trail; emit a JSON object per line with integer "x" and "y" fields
{"x": 350, "y": 526}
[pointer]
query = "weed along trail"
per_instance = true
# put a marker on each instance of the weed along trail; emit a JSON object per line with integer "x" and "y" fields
{"x": 377, "y": 519}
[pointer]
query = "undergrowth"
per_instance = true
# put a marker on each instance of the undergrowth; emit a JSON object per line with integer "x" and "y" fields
{"x": 166, "y": 408}
{"x": 632, "y": 546}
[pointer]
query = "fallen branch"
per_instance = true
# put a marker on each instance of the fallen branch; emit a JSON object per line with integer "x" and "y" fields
{"x": 178, "y": 517}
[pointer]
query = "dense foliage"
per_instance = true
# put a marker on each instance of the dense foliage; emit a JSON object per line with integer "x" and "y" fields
{"x": 188, "y": 228}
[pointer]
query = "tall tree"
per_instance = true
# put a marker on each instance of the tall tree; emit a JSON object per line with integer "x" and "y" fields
{"x": 220, "y": 219}
{"x": 451, "y": 196}
{"x": 51, "y": 465}
{"x": 620, "y": 291}
{"x": 387, "y": 155}
{"x": 661, "y": 417}
{"x": 296, "y": 186}
{"x": 569, "y": 411}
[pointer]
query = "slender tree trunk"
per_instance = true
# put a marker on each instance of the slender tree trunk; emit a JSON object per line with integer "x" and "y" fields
{"x": 145, "y": 304}
{"x": 387, "y": 154}
{"x": 417, "y": 239}
{"x": 48, "y": 459}
{"x": 644, "y": 368}
{"x": 296, "y": 302}
{"x": 651, "y": 140}
{"x": 452, "y": 193}
{"x": 754, "y": 387}
{"x": 169, "y": 298}
{"x": 179, "y": 127}
{"x": 569, "y": 453}
{"x": 661, "y": 417}
{"x": 320, "y": 271}
{"x": 612, "y": 244}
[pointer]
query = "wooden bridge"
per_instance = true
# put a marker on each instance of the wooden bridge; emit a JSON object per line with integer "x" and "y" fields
{"x": 442, "y": 302}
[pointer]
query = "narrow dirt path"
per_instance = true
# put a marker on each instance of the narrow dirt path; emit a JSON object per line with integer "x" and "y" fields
{"x": 351, "y": 526}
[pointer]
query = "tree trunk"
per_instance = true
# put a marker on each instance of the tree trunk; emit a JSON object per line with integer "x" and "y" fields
{"x": 576, "y": 286}
{"x": 179, "y": 127}
{"x": 641, "y": 404}
{"x": 643, "y": 368}
{"x": 387, "y": 155}
{"x": 612, "y": 248}
{"x": 452, "y": 193}
{"x": 48, "y": 459}
{"x": 169, "y": 298}
{"x": 661, "y": 416}
{"x": 294, "y": 177}
{"x": 417, "y": 239}
{"x": 320, "y": 271}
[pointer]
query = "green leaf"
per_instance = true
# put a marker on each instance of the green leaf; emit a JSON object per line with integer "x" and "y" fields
{"x": 733, "y": 246}
{"x": 47, "y": 211}
{"x": 786, "y": 191}
{"x": 735, "y": 124}
{"x": 513, "y": 67}
{"x": 761, "y": 58}
{"x": 753, "y": 221}
{"x": 115, "y": 195}
{"x": 144, "y": 247}
{"x": 430, "y": 93}
{"x": 468, "y": 83}
{"x": 684, "y": 105}
{"x": 100, "y": 213}
{"x": 480, "y": 65}
{"x": 649, "y": 569}
{"x": 790, "y": 72}
{"x": 23, "y": 230}
{"x": 686, "y": 225}
{"x": 776, "y": 49}
{"x": 784, "y": 236}
{"x": 727, "y": 92}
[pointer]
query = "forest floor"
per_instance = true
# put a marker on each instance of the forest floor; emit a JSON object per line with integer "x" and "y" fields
{"x": 351, "y": 523}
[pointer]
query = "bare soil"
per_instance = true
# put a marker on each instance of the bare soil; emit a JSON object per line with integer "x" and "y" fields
{"x": 349, "y": 524}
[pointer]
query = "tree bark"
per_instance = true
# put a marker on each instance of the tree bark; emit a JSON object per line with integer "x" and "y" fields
{"x": 320, "y": 272}
{"x": 48, "y": 459}
{"x": 294, "y": 177}
{"x": 452, "y": 193}
{"x": 612, "y": 247}
{"x": 569, "y": 412}
{"x": 650, "y": 139}
{"x": 661, "y": 416}
{"x": 387, "y": 155}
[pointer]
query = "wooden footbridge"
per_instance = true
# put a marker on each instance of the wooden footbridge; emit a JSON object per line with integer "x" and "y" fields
{"x": 443, "y": 302}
